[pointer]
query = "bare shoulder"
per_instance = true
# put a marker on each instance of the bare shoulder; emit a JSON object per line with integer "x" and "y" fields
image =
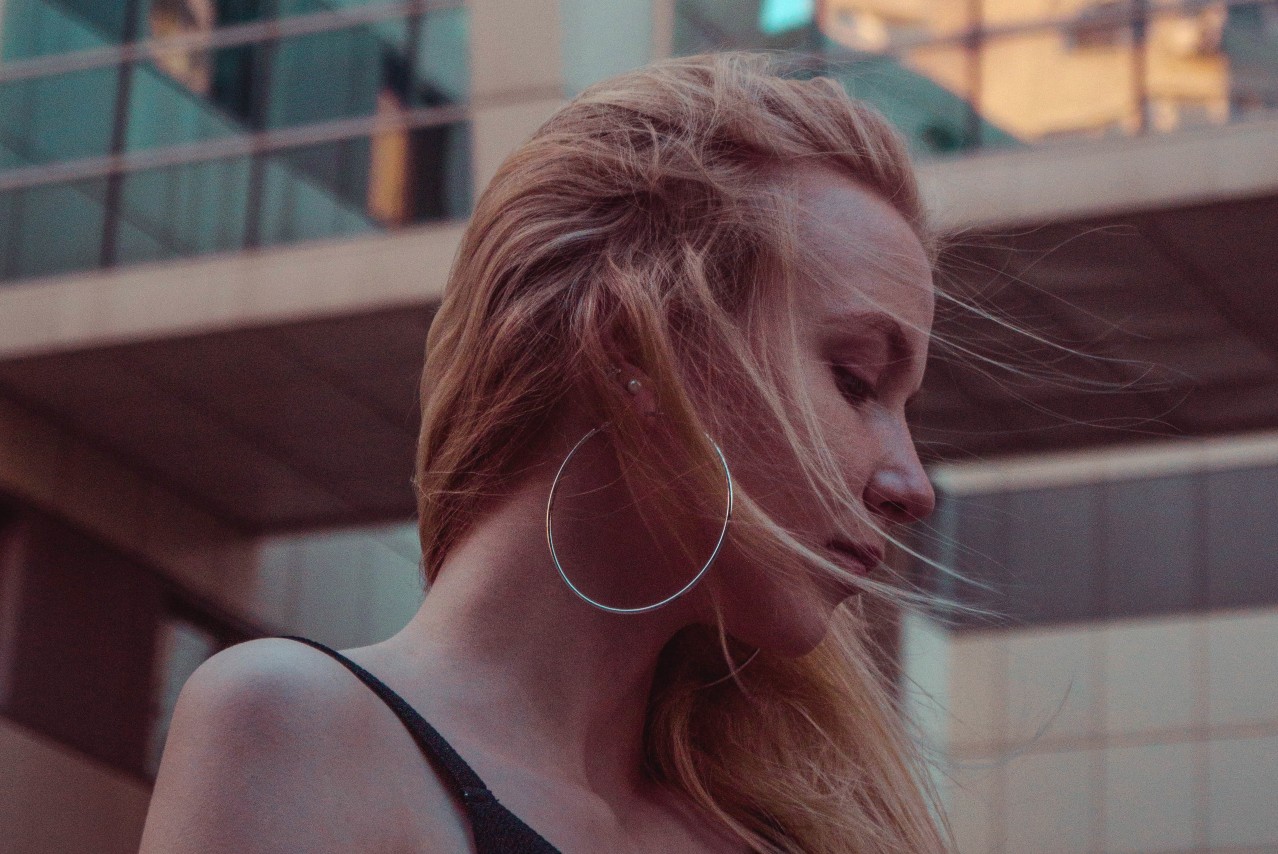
{"x": 276, "y": 747}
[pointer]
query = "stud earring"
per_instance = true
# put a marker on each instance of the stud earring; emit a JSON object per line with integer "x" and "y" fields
{"x": 633, "y": 386}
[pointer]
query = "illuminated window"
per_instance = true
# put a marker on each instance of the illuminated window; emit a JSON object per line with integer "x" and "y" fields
{"x": 170, "y": 18}
{"x": 1104, "y": 25}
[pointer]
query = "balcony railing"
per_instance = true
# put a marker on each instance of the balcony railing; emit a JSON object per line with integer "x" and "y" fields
{"x": 165, "y": 132}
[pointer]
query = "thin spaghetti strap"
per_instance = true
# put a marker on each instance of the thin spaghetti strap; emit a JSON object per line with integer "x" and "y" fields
{"x": 496, "y": 830}
{"x": 460, "y": 776}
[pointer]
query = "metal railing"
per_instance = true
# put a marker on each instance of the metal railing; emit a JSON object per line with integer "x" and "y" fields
{"x": 249, "y": 134}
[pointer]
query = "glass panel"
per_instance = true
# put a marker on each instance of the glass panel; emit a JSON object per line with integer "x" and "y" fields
{"x": 1249, "y": 41}
{"x": 164, "y": 110}
{"x": 364, "y": 184}
{"x": 51, "y": 229}
{"x": 1050, "y": 83}
{"x": 34, "y": 28}
{"x": 326, "y": 76}
{"x": 183, "y": 210}
{"x": 47, "y": 119}
{"x": 194, "y": 93}
{"x": 316, "y": 192}
{"x": 701, "y": 25}
{"x": 303, "y": 7}
{"x": 881, "y": 26}
{"x": 934, "y": 117}
{"x": 108, "y": 19}
{"x": 347, "y": 73}
{"x": 420, "y": 174}
{"x": 443, "y": 59}
{"x": 159, "y": 18}
{"x": 902, "y": 56}
{"x": 1187, "y": 76}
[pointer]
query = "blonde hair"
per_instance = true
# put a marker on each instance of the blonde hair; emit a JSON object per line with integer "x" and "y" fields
{"x": 651, "y": 211}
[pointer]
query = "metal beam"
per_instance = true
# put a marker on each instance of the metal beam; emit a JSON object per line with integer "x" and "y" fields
{"x": 229, "y": 36}
{"x": 242, "y": 145}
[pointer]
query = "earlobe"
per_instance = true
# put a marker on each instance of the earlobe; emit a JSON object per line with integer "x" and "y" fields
{"x": 637, "y": 386}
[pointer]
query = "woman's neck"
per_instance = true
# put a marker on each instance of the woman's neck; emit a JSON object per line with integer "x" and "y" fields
{"x": 522, "y": 661}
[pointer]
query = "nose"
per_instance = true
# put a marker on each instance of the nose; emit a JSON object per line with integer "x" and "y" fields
{"x": 900, "y": 490}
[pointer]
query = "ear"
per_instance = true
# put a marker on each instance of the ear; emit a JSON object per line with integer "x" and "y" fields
{"x": 633, "y": 383}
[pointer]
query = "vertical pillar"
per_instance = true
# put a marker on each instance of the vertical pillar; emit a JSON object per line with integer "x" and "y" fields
{"x": 517, "y": 76}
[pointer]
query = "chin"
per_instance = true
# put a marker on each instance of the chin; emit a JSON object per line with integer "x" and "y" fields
{"x": 789, "y": 632}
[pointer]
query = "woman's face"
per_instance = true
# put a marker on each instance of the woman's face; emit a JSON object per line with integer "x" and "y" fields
{"x": 862, "y": 347}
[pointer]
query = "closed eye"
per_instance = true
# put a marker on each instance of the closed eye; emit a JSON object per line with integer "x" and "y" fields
{"x": 854, "y": 388}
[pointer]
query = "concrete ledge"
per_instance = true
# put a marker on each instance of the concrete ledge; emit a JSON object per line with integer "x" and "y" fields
{"x": 1084, "y": 178}
{"x": 227, "y": 291}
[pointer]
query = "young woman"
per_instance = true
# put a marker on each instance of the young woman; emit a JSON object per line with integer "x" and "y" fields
{"x": 663, "y": 440}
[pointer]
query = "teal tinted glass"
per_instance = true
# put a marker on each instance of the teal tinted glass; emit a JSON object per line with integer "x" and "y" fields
{"x": 361, "y": 71}
{"x": 1249, "y": 39}
{"x": 304, "y": 7}
{"x": 34, "y": 28}
{"x": 366, "y": 184}
{"x": 183, "y": 210}
{"x": 379, "y": 67}
{"x": 51, "y": 229}
{"x": 316, "y": 192}
{"x": 59, "y": 117}
{"x": 165, "y": 109}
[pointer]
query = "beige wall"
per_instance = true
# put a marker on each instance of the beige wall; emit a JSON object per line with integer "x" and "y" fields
{"x": 54, "y": 800}
{"x": 226, "y": 291}
{"x": 344, "y": 588}
{"x": 1141, "y": 735}
{"x": 517, "y": 76}
{"x": 348, "y": 587}
{"x": 45, "y": 466}
{"x": 1084, "y": 178}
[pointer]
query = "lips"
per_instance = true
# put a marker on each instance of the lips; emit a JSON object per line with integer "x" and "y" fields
{"x": 861, "y": 559}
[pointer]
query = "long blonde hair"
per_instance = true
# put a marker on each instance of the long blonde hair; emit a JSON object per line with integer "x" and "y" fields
{"x": 648, "y": 211}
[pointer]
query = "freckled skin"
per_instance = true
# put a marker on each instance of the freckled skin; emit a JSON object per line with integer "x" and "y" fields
{"x": 871, "y": 439}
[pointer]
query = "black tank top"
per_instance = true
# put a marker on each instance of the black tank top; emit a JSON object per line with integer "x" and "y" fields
{"x": 496, "y": 829}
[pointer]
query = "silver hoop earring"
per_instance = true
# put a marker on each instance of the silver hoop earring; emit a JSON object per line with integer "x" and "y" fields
{"x": 550, "y": 535}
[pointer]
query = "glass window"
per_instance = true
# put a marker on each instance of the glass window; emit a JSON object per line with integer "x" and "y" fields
{"x": 390, "y": 67}
{"x": 315, "y": 192}
{"x": 183, "y": 210}
{"x": 60, "y": 117}
{"x": 347, "y": 73}
{"x": 34, "y": 28}
{"x": 394, "y": 178}
{"x": 174, "y": 18}
{"x": 163, "y": 112}
{"x": 51, "y": 229}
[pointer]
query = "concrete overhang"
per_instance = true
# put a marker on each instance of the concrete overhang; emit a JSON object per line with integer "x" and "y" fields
{"x": 278, "y": 389}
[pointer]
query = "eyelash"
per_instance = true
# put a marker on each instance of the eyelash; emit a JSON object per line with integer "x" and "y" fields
{"x": 855, "y": 389}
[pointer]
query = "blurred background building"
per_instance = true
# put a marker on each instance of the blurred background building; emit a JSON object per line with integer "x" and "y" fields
{"x": 224, "y": 225}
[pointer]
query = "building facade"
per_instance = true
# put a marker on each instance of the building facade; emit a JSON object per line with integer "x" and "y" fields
{"x": 225, "y": 224}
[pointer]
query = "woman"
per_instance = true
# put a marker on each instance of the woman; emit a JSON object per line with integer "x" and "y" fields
{"x": 663, "y": 440}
